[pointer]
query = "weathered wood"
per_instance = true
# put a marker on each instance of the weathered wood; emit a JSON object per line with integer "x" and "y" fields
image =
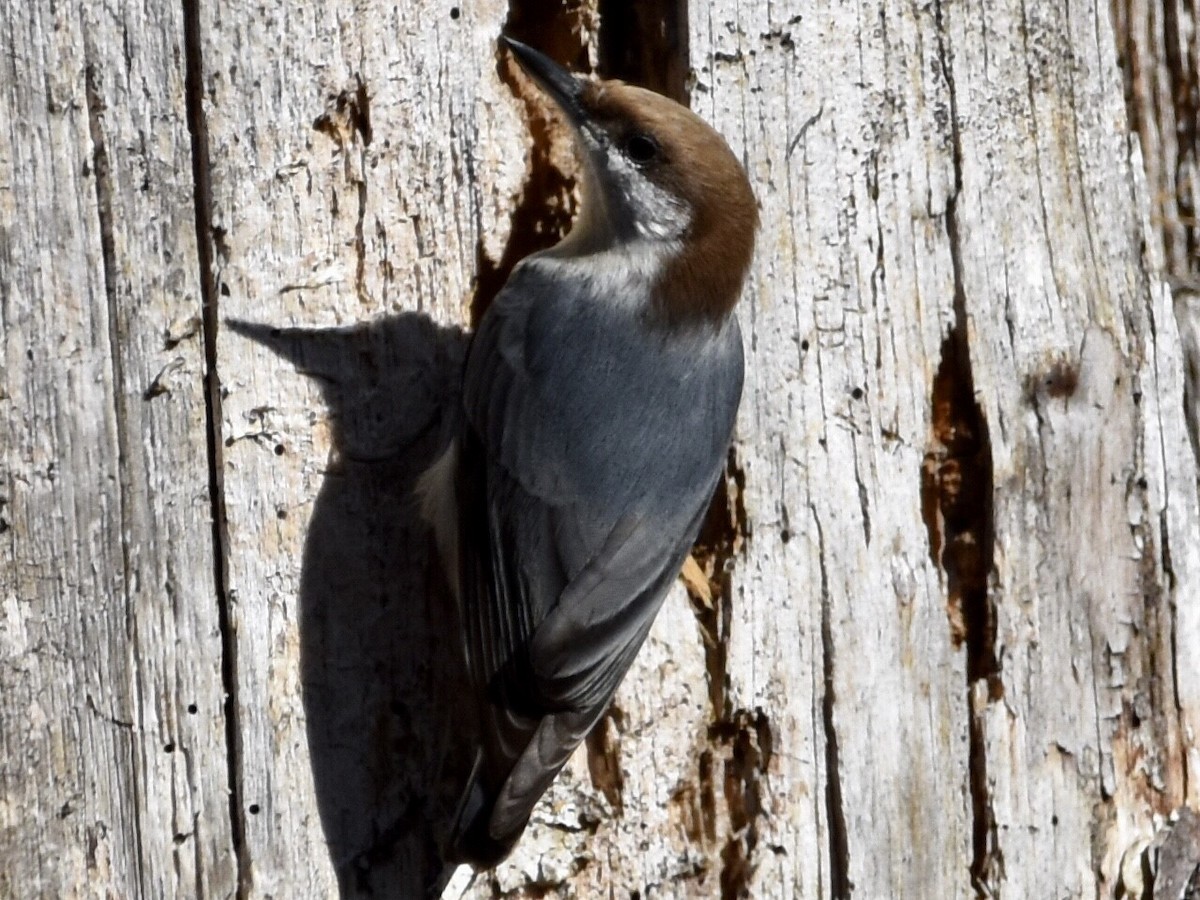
{"x": 1160, "y": 60}
{"x": 954, "y": 283}
{"x": 1158, "y": 55}
{"x": 362, "y": 169}
{"x": 114, "y": 777}
{"x": 937, "y": 642}
{"x": 943, "y": 362}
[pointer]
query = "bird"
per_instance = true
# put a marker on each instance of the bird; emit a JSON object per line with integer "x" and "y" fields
{"x": 598, "y": 402}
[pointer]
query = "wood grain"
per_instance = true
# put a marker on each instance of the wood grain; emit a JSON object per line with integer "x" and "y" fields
{"x": 114, "y": 744}
{"x": 936, "y": 640}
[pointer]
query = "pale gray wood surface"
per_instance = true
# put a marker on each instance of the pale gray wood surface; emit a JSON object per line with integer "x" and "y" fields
{"x": 113, "y": 780}
{"x": 361, "y": 169}
{"x": 941, "y": 640}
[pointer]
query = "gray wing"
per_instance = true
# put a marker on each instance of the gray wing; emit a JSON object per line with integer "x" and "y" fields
{"x": 590, "y": 451}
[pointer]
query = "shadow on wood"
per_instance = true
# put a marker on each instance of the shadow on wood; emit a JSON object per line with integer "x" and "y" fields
{"x": 378, "y": 656}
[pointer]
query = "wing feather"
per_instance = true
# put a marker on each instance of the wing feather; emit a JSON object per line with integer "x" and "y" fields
{"x": 574, "y": 524}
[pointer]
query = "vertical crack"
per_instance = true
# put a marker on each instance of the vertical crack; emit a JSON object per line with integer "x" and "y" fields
{"x": 348, "y": 116}
{"x": 202, "y": 200}
{"x": 546, "y": 206}
{"x": 361, "y": 110}
{"x": 1184, "y": 94}
{"x": 743, "y": 738}
{"x": 720, "y": 540}
{"x": 646, "y": 44}
{"x": 956, "y": 500}
{"x": 1162, "y": 93}
{"x": 102, "y": 172}
{"x": 604, "y": 758}
{"x": 1158, "y": 59}
{"x": 840, "y": 885}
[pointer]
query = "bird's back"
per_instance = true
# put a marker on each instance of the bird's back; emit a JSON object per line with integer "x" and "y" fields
{"x": 573, "y": 524}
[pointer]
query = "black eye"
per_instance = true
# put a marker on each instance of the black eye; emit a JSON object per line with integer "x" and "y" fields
{"x": 641, "y": 148}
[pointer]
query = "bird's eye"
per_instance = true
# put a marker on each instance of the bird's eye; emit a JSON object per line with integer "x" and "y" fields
{"x": 641, "y": 148}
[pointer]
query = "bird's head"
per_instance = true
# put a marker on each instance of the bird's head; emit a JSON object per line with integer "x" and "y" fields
{"x": 662, "y": 191}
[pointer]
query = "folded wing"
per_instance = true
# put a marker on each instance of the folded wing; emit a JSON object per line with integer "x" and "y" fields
{"x": 583, "y": 480}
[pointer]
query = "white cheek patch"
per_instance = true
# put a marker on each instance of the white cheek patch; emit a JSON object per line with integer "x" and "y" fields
{"x": 621, "y": 262}
{"x": 657, "y": 214}
{"x": 660, "y": 216}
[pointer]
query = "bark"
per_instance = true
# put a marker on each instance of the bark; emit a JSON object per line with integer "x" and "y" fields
{"x": 938, "y": 641}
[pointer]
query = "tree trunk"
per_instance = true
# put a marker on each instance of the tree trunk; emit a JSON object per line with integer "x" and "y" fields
{"x": 941, "y": 638}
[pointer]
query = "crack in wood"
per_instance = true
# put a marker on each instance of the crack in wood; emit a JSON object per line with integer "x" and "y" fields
{"x": 1157, "y": 54}
{"x": 741, "y": 739}
{"x": 604, "y": 759}
{"x": 347, "y": 120}
{"x": 956, "y": 501}
{"x": 749, "y": 744}
{"x": 1162, "y": 101}
{"x": 207, "y": 240}
{"x": 545, "y": 208}
{"x": 360, "y": 242}
{"x": 840, "y": 885}
{"x": 720, "y": 540}
{"x": 102, "y": 172}
{"x": 646, "y": 44}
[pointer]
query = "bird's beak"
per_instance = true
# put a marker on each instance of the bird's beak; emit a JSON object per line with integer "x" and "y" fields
{"x": 564, "y": 89}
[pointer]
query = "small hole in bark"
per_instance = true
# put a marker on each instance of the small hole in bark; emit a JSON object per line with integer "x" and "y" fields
{"x": 856, "y": 393}
{"x": 168, "y": 747}
{"x": 455, "y": 12}
{"x": 193, "y": 709}
{"x": 253, "y": 809}
{"x": 279, "y": 450}
{"x": 281, "y": 513}
{"x": 804, "y": 346}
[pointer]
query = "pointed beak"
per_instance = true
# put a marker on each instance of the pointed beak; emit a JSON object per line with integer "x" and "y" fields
{"x": 564, "y": 89}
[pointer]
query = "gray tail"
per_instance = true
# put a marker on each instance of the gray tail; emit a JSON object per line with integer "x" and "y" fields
{"x": 470, "y": 839}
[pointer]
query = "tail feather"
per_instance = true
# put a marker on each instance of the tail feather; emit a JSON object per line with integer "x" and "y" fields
{"x": 470, "y": 841}
{"x": 488, "y": 824}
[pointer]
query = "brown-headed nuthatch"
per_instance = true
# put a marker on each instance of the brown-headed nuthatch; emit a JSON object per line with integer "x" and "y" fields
{"x": 599, "y": 397}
